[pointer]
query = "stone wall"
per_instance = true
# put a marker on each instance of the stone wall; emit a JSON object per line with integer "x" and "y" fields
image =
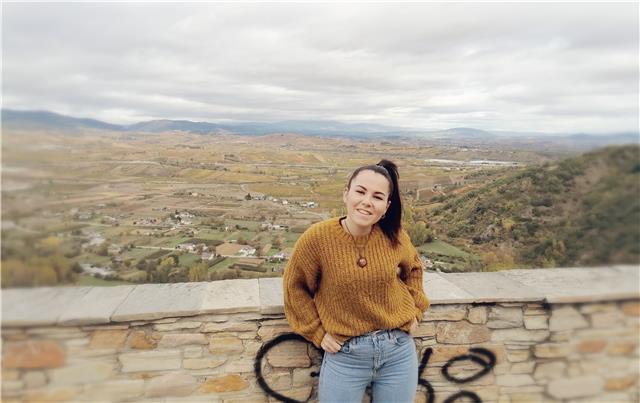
{"x": 520, "y": 336}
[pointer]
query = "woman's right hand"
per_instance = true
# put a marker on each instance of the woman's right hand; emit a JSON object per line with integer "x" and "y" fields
{"x": 330, "y": 344}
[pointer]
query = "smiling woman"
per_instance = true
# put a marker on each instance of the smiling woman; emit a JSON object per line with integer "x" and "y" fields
{"x": 353, "y": 287}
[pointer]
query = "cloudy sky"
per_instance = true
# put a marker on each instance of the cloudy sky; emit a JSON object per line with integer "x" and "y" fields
{"x": 546, "y": 67}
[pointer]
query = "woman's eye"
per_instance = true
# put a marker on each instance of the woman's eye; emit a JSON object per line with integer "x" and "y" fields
{"x": 378, "y": 197}
{"x": 360, "y": 192}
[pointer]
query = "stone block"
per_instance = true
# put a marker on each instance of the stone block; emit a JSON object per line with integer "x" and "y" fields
{"x": 425, "y": 330}
{"x": 518, "y": 355}
{"x": 116, "y": 390}
{"x": 631, "y": 308}
{"x": 445, "y": 312}
{"x": 502, "y": 318}
{"x": 226, "y": 383}
{"x": 150, "y": 361}
{"x": 566, "y": 318}
{"x": 241, "y": 365}
{"x": 562, "y": 336}
{"x": 519, "y": 335}
{"x": 515, "y": 380}
{"x": 140, "y": 340}
{"x": 181, "y": 339}
{"x": 267, "y": 333}
{"x": 155, "y": 301}
{"x": 202, "y": 363}
{"x": 302, "y": 376}
{"x": 54, "y": 394}
{"x": 581, "y": 284}
{"x": 622, "y": 347}
{"x": 523, "y": 367}
{"x": 607, "y": 319}
{"x": 32, "y": 379}
{"x": 591, "y": 346}
{"x": 550, "y": 370}
{"x": 289, "y": 354}
{"x": 23, "y": 307}
{"x": 442, "y": 291}
{"x": 12, "y": 388}
{"x": 461, "y": 333}
{"x": 571, "y": 388}
{"x": 108, "y": 339}
{"x": 95, "y": 306}
{"x": 170, "y": 327}
{"x": 551, "y": 350}
{"x": 477, "y": 315}
{"x": 231, "y": 296}
{"x": 598, "y": 307}
{"x": 493, "y": 287}
{"x": 11, "y": 374}
{"x": 528, "y": 398}
{"x": 254, "y": 398}
{"x": 301, "y": 394}
{"x": 536, "y": 322}
{"x": 271, "y": 297}
{"x": 81, "y": 373}
{"x": 33, "y": 354}
{"x": 280, "y": 381}
{"x": 172, "y": 384}
{"x": 230, "y": 327}
{"x": 621, "y": 383}
{"x": 225, "y": 345}
{"x": 192, "y": 352}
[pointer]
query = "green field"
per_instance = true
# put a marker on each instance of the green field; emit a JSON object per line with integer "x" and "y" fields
{"x": 443, "y": 248}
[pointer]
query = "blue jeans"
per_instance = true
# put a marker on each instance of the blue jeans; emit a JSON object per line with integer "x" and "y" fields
{"x": 386, "y": 359}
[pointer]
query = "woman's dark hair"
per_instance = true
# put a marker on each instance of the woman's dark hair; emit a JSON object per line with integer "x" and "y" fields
{"x": 392, "y": 221}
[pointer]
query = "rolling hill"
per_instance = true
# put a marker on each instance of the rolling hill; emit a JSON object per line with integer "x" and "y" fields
{"x": 580, "y": 211}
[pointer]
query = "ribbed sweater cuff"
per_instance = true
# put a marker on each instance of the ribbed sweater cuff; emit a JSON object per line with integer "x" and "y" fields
{"x": 318, "y": 336}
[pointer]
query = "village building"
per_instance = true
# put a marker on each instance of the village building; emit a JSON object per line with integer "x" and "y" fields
{"x": 233, "y": 249}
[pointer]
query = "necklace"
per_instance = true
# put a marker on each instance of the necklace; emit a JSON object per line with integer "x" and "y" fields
{"x": 362, "y": 261}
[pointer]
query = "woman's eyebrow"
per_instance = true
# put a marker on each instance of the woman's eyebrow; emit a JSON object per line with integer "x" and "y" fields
{"x": 382, "y": 193}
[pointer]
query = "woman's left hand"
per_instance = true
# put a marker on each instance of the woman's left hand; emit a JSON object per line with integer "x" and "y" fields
{"x": 414, "y": 326}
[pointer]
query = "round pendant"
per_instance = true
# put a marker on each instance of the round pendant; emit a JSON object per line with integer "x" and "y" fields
{"x": 362, "y": 262}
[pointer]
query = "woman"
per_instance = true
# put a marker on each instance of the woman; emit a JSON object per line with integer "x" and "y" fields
{"x": 353, "y": 287}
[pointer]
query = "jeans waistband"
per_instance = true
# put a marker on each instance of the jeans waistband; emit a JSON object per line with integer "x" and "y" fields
{"x": 376, "y": 334}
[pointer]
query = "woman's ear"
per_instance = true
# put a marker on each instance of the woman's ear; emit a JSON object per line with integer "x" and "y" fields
{"x": 344, "y": 194}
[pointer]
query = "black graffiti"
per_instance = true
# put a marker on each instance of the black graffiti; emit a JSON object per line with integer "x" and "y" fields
{"x": 481, "y": 356}
{"x": 257, "y": 365}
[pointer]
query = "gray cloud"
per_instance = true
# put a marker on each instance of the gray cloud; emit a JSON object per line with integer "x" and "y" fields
{"x": 513, "y": 66}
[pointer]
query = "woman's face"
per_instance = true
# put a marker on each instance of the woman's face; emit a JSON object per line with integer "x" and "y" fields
{"x": 367, "y": 199}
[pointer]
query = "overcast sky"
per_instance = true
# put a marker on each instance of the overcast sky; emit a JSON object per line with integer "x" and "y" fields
{"x": 547, "y": 67}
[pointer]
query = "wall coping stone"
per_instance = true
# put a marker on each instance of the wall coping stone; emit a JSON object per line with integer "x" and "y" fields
{"x": 65, "y": 306}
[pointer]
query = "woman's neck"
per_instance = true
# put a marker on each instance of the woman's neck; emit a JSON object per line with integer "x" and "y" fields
{"x": 354, "y": 229}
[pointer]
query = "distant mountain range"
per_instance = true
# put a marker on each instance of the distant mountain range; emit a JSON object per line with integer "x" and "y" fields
{"x": 45, "y": 120}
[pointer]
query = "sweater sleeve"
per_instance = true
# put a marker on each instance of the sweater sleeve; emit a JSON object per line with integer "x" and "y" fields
{"x": 411, "y": 266}
{"x": 300, "y": 281}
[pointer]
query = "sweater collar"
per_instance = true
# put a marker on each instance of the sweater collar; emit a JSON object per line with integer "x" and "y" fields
{"x": 346, "y": 236}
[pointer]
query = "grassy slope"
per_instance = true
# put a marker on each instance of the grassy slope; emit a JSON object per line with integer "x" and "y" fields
{"x": 582, "y": 211}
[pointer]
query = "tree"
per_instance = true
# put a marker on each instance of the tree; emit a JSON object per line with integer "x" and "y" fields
{"x": 199, "y": 272}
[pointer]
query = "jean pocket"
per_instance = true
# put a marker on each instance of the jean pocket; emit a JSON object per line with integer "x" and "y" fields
{"x": 346, "y": 347}
{"x": 401, "y": 338}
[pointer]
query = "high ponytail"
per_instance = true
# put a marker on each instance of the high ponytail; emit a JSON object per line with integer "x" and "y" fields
{"x": 391, "y": 222}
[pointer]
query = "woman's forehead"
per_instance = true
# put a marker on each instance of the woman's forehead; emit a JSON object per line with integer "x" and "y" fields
{"x": 371, "y": 180}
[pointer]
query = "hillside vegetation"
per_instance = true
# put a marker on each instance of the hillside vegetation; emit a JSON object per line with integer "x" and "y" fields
{"x": 581, "y": 211}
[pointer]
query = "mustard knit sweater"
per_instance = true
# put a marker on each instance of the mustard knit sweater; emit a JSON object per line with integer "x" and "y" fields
{"x": 326, "y": 291}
